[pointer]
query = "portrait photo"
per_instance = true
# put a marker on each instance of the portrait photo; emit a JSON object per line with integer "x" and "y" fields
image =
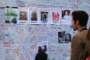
{"x": 64, "y": 37}
{"x": 66, "y": 14}
{"x": 34, "y": 16}
{"x": 23, "y": 15}
{"x": 55, "y": 16}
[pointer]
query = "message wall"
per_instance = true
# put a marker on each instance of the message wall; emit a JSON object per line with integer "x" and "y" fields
{"x": 27, "y": 24}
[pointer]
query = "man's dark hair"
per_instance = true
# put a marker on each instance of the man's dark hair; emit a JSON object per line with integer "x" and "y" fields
{"x": 80, "y": 15}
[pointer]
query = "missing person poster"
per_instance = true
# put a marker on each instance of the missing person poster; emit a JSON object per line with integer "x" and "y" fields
{"x": 55, "y": 16}
{"x": 66, "y": 16}
{"x": 44, "y": 16}
{"x": 43, "y": 45}
{"x": 34, "y": 15}
{"x": 64, "y": 37}
{"x": 23, "y": 15}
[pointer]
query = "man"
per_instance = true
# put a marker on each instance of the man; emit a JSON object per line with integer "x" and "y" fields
{"x": 41, "y": 55}
{"x": 23, "y": 15}
{"x": 79, "y": 22}
{"x": 34, "y": 16}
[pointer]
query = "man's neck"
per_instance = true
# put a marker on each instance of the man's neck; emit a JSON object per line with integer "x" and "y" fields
{"x": 80, "y": 28}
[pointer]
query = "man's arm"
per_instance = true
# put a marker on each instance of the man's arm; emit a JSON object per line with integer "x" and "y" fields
{"x": 76, "y": 49}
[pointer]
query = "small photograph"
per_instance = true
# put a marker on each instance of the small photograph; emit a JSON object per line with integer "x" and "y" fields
{"x": 43, "y": 45}
{"x": 11, "y": 15}
{"x": 55, "y": 16}
{"x": 66, "y": 14}
{"x": 11, "y": 19}
{"x": 23, "y": 15}
{"x": 64, "y": 37}
{"x": 44, "y": 16}
{"x": 43, "y": 48}
{"x": 34, "y": 16}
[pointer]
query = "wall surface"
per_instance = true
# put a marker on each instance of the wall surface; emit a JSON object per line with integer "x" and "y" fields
{"x": 19, "y": 39}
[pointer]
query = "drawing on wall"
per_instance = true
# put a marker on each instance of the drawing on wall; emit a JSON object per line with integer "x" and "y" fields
{"x": 20, "y": 3}
{"x": 2, "y": 15}
{"x": 88, "y": 1}
{"x": 2, "y": 36}
{"x": 45, "y": 2}
{"x": 64, "y": 37}
{"x": 72, "y": 0}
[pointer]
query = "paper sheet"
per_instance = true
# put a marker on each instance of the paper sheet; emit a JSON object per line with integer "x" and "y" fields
{"x": 23, "y": 15}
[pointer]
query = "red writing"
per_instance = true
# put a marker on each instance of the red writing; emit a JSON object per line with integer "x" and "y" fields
{"x": 6, "y": 44}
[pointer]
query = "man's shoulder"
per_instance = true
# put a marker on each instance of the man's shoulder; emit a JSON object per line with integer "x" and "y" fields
{"x": 82, "y": 33}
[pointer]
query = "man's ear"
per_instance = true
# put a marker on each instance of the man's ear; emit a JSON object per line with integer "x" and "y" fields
{"x": 77, "y": 22}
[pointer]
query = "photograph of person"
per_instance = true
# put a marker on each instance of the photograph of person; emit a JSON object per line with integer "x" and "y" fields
{"x": 64, "y": 37}
{"x": 65, "y": 14}
{"x": 44, "y": 48}
{"x": 61, "y": 37}
{"x": 44, "y": 16}
{"x": 23, "y": 15}
{"x": 34, "y": 16}
{"x": 55, "y": 16}
{"x": 67, "y": 38}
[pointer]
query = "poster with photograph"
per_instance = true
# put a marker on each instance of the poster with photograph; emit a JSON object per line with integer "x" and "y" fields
{"x": 34, "y": 16}
{"x": 66, "y": 16}
{"x": 44, "y": 16}
{"x": 64, "y": 37}
{"x": 11, "y": 15}
{"x": 55, "y": 16}
{"x": 23, "y": 15}
{"x": 43, "y": 45}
